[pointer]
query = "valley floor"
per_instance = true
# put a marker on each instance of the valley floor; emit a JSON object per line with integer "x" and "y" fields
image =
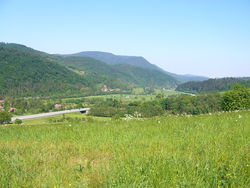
{"x": 171, "y": 151}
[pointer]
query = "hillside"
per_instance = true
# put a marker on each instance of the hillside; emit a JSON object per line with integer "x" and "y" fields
{"x": 137, "y": 61}
{"x": 211, "y": 85}
{"x": 34, "y": 73}
{"x": 112, "y": 59}
{"x": 96, "y": 72}
{"x": 124, "y": 73}
{"x": 26, "y": 74}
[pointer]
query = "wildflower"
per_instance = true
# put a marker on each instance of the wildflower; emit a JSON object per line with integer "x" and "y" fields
{"x": 240, "y": 116}
{"x": 128, "y": 116}
{"x": 137, "y": 114}
{"x": 70, "y": 185}
{"x": 228, "y": 175}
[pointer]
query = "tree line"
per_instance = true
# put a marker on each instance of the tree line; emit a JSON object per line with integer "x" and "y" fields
{"x": 237, "y": 98}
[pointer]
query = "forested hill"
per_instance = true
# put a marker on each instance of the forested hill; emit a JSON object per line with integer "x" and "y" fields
{"x": 211, "y": 85}
{"x": 137, "y": 61}
{"x": 125, "y": 73}
{"x": 112, "y": 59}
{"x": 26, "y": 74}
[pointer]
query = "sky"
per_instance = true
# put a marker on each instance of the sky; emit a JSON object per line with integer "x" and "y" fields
{"x": 200, "y": 37}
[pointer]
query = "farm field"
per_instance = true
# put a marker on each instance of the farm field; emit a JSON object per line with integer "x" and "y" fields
{"x": 170, "y": 151}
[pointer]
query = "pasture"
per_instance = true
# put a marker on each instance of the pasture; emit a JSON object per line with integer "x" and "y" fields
{"x": 209, "y": 150}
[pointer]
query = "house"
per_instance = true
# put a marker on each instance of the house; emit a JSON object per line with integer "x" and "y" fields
{"x": 58, "y": 106}
{"x": 12, "y": 109}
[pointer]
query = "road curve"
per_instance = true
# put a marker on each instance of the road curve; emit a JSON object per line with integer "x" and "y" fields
{"x": 35, "y": 116}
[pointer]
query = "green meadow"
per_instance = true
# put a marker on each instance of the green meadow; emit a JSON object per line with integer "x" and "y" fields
{"x": 211, "y": 150}
{"x": 138, "y": 95}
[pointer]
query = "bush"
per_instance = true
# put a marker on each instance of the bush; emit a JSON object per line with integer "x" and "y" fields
{"x": 150, "y": 109}
{"x": 5, "y": 117}
{"x": 236, "y": 99}
{"x": 18, "y": 121}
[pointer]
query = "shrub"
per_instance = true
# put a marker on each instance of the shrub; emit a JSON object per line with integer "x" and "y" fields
{"x": 18, "y": 121}
{"x": 236, "y": 99}
{"x": 5, "y": 117}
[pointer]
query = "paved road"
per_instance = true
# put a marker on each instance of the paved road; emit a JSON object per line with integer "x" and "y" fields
{"x": 35, "y": 116}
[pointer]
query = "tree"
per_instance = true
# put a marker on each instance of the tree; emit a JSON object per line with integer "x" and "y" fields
{"x": 5, "y": 117}
{"x": 236, "y": 99}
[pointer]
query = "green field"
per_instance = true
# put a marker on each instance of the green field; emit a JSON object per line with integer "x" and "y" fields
{"x": 171, "y": 151}
{"x": 130, "y": 97}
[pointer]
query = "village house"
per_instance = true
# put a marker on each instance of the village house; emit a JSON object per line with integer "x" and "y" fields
{"x": 12, "y": 109}
{"x": 58, "y": 106}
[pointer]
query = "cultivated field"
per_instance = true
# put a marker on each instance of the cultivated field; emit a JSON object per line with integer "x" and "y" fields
{"x": 171, "y": 151}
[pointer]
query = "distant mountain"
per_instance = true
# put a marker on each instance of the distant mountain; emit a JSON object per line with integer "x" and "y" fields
{"x": 112, "y": 59}
{"x": 187, "y": 77}
{"x": 137, "y": 61}
{"x": 211, "y": 85}
{"x": 133, "y": 75}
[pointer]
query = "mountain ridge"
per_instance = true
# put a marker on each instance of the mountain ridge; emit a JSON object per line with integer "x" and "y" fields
{"x": 138, "y": 61}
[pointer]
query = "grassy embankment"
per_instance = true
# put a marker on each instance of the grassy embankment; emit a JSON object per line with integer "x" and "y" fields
{"x": 173, "y": 151}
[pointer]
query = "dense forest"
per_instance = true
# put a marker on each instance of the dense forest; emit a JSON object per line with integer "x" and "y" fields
{"x": 119, "y": 74}
{"x": 211, "y": 85}
{"x": 24, "y": 74}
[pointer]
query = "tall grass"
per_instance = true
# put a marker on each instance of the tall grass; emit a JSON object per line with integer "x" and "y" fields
{"x": 172, "y": 151}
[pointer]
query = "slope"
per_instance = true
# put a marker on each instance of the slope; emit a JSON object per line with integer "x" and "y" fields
{"x": 123, "y": 73}
{"x": 211, "y": 85}
{"x": 25, "y": 74}
{"x": 137, "y": 61}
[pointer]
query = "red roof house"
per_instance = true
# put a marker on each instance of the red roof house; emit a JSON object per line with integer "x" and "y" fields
{"x": 12, "y": 109}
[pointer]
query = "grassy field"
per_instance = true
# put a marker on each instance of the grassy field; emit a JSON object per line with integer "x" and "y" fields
{"x": 172, "y": 151}
{"x": 130, "y": 97}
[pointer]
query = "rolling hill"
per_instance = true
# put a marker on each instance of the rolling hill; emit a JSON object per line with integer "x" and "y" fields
{"x": 132, "y": 75}
{"x": 137, "y": 61}
{"x": 211, "y": 85}
{"x": 26, "y": 74}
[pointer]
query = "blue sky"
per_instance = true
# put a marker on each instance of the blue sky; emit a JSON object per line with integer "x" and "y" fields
{"x": 202, "y": 37}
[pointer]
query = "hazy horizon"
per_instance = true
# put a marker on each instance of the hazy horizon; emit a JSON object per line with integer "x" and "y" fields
{"x": 199, "y": 38}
